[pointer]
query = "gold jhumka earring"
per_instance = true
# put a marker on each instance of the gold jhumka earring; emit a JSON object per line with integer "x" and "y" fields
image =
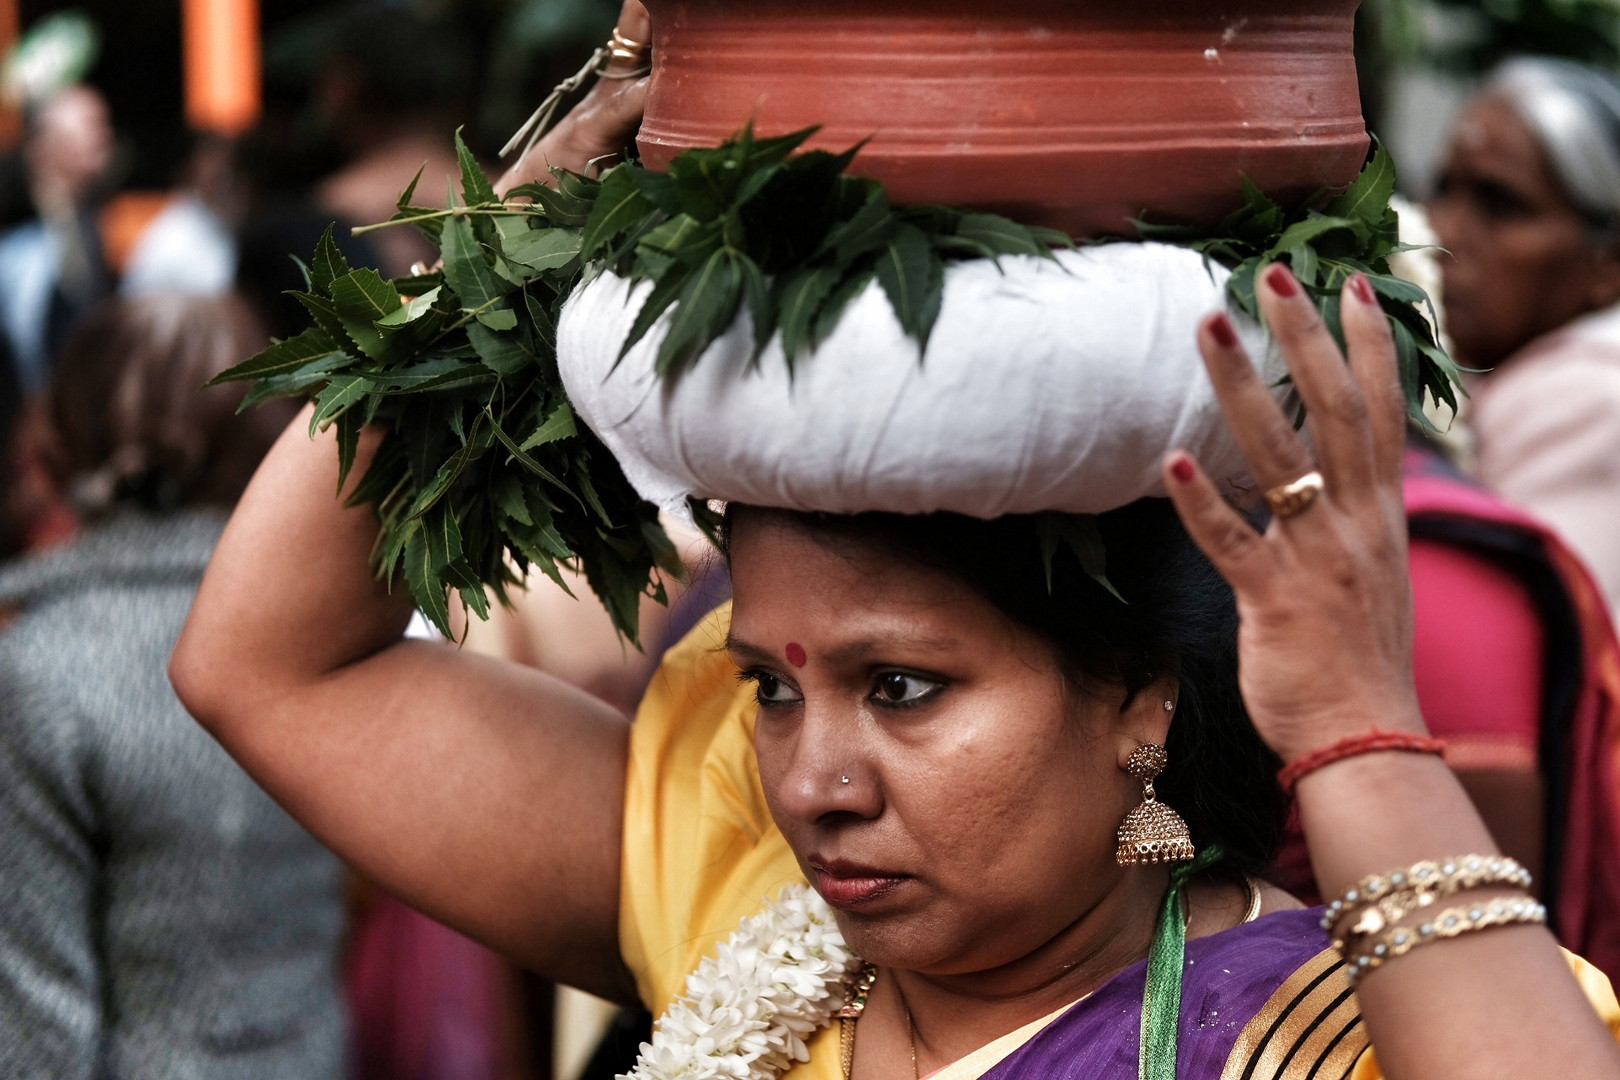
{"x": 1152, "y": 833}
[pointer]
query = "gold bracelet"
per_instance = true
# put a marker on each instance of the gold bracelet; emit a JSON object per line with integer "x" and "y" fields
{"x": 1379, "y": 900}
{"x": 1453, "y": 922}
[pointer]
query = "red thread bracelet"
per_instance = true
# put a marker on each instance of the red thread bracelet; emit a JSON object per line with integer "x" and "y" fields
{"x": 1366, "y": 743}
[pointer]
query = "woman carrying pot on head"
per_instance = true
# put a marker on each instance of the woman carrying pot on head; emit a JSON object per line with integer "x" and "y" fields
{"x": 1528, "y": 206}
{"x": 1028, "y": 813}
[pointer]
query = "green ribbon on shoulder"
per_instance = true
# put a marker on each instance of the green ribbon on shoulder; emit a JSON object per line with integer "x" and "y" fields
{"x": 1167, "y": 958}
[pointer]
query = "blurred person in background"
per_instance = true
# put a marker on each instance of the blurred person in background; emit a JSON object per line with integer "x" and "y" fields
{"x": 1528, "y": 205}
{"x": 394, "y": 85}
{"x": 53, "y": 265}
{"x": 162, "y": 917}
{"x": 191, "y": 245}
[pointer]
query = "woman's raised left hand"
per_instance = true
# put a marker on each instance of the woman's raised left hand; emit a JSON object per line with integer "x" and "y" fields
{"x": 603, "y": 122}
{"x": 1325, "y": 648}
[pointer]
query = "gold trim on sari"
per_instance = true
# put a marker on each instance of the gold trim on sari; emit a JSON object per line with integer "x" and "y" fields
{"x": 1310, "y": 1029}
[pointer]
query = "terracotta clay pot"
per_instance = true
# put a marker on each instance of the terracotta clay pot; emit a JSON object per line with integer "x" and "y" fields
{"x": 1078, "y": 114}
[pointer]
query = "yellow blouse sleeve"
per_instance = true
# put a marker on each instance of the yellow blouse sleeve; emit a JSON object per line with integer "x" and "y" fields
{"x": 1598, "y": 991}
{"x": 700, "y": 851}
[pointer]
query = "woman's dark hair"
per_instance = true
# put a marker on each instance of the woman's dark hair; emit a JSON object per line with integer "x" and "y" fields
{"x": 132, "y": 423}
{"x": 1179, "y": 619}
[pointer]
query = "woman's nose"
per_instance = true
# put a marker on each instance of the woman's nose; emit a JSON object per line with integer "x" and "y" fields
{"x": 828, "y": 774}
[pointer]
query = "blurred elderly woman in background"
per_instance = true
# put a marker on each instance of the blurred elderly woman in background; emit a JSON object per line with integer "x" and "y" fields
{"x": 1528, "y": 204}
{"x": 161, "y": 915}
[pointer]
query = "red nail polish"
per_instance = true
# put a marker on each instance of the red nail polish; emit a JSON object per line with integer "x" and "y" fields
{"x": 1363, "y": 289}
{"x": 1222, "y": 330}
{"x": 1182, "y": 470}
{"x": 1282, "y": 282}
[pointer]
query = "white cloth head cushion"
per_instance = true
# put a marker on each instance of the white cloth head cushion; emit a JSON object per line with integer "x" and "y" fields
{"x": 1046, "y": 386}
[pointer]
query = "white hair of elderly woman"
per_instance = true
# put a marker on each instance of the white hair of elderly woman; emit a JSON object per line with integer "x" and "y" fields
{"x": 1574, "y": 112}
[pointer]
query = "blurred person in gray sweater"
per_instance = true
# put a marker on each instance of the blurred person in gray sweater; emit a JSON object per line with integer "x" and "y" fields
{"x": 160, "y": 916}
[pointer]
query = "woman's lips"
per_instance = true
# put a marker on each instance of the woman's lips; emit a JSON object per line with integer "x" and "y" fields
{"x": 847, "y": 886}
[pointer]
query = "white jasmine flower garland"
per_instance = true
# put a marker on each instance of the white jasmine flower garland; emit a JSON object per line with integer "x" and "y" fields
{"x": 749, "y": 1010}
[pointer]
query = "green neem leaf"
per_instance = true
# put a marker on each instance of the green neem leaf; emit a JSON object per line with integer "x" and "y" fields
{"x": 409, "y": 193}
{"x": 1303, "y": 232}
{"x": 443, "y": 538}
{"x": 708, "y": 303}
{"x": 798, "y": 297}
{"x": 1305, "y": 263}
{"x": 425, "y": 373}
{"x": 340, "y": 395}
{"x": 503, "y": 353}
{"x": 283, "y": 358}
{"x": 412, "y": 309}
{"x": 620, "y": 206}
{"x": 559, "y": 425}
{"x": 328, "y": 263}
{"x": 425, "y": 582}
{"x": 664, "y": 294}
{"x": 761, "y": 303}
{"x": 1078, "y": 534}
{"x": 1397, "y": 288}
{"x": 523, "y": 458}
{"x": 499, "y": 319}
{"x": 348, "y": 428}
{"x": 867, "y": 231}
{"x": 1001, "y": 236}
{"x": 913, "y": 276}
{"x": 362, "y": 298}
{"x": 852, "y": 284}
{"x": 298, "y": 384}
{"x": 507, "y": 493}
{"x": 467, "y": 267}
{"x": 451, "y": 471}
{"x": 684, "y": 239}
{"x": 475, "y": 185}
{"x": 543, "y": 249}
{"x": 1366, "y": 201}
{"x": 323, "y": 312}
{"x": 665, "y": 555}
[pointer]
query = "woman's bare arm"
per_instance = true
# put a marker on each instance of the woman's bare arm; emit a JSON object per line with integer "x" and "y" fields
{"x": 486, "y": 794}
{"x": 1325, "y": 653}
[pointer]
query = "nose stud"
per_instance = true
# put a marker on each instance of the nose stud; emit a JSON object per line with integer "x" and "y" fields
{"x": 1169, "y": 706}
{"x": 843, "y": 779}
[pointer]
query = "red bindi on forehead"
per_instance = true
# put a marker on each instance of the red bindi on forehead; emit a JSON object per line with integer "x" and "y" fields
{"x": 796, "y": 655}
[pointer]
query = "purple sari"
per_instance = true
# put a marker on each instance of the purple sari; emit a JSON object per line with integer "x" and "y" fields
{"x": 1258, "y": 1002}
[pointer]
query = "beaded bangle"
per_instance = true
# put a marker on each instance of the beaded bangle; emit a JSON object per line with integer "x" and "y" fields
{"x": 1385, "y": 898}
{"x": 1453, "y": 922}
{"x": 1366, "y": 743}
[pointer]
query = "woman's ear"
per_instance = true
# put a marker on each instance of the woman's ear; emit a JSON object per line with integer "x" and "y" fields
{"x": 1147, "y": 717}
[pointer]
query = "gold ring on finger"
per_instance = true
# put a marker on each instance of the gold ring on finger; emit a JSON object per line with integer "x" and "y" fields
{"x": 624, "y": 51}
{"x": 1289, "y": 500}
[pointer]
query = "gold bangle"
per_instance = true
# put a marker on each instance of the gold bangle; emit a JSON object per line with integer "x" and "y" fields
{"x": 1453, "y": 922}
{"x": 1382, "y": 899}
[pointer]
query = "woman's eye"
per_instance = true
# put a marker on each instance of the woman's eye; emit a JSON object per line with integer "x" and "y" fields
{"x": 770, "y": 689}
{"x": 897, "y": 688}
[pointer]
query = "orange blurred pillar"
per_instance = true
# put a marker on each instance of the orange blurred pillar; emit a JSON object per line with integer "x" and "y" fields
{"x": 10, "y": 28}
{"x": 222, "y": 64}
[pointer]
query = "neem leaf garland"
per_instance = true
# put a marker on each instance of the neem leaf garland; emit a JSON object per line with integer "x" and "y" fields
{"x": 1355, "y": 232}
{"x": 484, "y": 471}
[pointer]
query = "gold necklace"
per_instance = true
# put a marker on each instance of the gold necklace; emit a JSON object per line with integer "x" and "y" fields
{"x": 911, "y": 1032}
{"x": 851, "y": 1013}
